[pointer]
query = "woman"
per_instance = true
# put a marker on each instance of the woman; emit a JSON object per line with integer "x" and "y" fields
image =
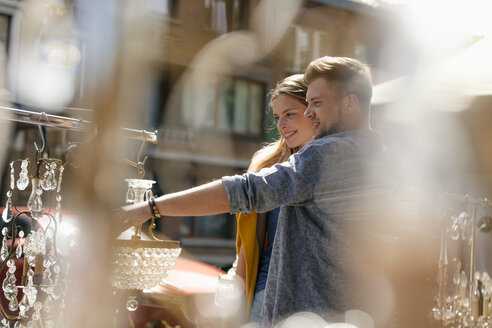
{"x": 256, "y": 232}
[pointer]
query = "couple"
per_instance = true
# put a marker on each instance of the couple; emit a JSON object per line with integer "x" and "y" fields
{"x": 327, "y": 193}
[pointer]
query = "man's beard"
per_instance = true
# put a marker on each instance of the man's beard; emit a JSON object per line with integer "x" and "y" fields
{"x": 334, "y": 128}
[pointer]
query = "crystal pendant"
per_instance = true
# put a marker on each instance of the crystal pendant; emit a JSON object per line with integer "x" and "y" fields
{"x": 6, "y": 283}
{"x": 130, "y": 196}
{"x": 22, "y": 182}
{"x": 60, "y": 178}
{"x": 4, "y": 251}
{"x": 9, "y": 287}
{"x": 12, "y": 176}
{"x": 49, "y": 177}
{"x": 24, "y": 304}
{"x": 13, "y": 304}
{"x": 53, "y": 175}
{"x": 35, "y": 204}
{"x": 132, "y": 303}
{"x": 23, "y": 179}
{"x": 18, "y": 250}
{"x": 32, "y": 294}
{"x": 7, "y": 212}
{"x": 11, "y": 265}
{"x": 46, "y": 181}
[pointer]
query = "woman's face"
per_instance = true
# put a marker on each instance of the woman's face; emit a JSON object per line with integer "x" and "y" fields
{"x": 291, "y": 122}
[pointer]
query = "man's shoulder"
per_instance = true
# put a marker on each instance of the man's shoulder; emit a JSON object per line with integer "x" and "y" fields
{"x": 321, "y": 149}
{"x": 346, "y": 138}
{"x": 343, "y": 144}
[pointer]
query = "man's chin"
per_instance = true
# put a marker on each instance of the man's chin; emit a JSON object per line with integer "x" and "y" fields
{"x": 321, "y": 134}
{"x": 326, "y": 132}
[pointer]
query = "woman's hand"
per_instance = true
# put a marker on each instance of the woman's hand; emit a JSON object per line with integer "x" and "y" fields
{"x": 128, "y": 216}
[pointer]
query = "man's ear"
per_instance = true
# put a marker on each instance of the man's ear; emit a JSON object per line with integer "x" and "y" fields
{"x": 350, "y": 103}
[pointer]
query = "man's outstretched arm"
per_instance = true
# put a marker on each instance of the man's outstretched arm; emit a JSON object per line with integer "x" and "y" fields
{"x": 207, "y": 199}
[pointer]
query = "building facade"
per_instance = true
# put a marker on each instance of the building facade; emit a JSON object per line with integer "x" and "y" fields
{"x": 208, "y": 74}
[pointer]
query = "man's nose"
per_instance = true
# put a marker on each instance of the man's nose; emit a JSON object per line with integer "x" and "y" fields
{"x": 308, "y": 112}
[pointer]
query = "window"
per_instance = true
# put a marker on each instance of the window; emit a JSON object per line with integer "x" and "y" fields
{"x": 220, "y": 226}
{"x": 163, "y": 7}
{"x": 227, "y": 15}
{"x": 227, "y": 103}
{"x": 4, "y": 30}
{"x": 306, "y": 45}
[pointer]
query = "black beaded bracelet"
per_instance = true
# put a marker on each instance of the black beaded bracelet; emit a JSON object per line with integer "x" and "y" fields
{"x": 153, "y": 208}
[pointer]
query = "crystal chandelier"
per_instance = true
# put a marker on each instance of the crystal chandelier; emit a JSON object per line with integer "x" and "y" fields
{"x": 38, "y": 298}
{"x": 467, "y": 302}
{"x": 141, "y": 264}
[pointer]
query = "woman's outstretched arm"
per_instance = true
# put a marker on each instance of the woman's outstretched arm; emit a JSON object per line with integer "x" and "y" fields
{"x": 207, "y": 199}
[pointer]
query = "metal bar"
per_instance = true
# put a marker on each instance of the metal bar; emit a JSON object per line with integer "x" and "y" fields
{"x": 467, "y": 199}
{"x": 54, "y": 121}
{"x": 62, "y": 122}
{"x": 141, "y": 135}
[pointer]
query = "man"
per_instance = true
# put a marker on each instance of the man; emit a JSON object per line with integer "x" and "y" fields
{"x": 325, "y": 192}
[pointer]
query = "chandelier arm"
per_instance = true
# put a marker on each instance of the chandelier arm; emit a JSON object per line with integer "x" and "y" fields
{"x": 151, "y": 230}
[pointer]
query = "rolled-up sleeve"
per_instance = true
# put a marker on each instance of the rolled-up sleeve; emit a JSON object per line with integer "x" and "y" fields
{"x": 288, "y": 183}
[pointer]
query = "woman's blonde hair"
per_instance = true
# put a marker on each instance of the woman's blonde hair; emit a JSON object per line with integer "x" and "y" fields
{"x": 278, "y": 151}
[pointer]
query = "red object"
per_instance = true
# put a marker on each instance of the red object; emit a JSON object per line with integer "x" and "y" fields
{"x": 188, "y": 277}
{"x": 173, "y": 300}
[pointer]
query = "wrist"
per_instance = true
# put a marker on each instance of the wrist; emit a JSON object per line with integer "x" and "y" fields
{"x": 154, "y": 210}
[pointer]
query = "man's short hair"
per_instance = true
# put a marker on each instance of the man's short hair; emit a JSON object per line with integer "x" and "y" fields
{"x": 349, "y": 76}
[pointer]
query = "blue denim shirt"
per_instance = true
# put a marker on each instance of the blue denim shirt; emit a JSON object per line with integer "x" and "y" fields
{"x": 326, "y": 192}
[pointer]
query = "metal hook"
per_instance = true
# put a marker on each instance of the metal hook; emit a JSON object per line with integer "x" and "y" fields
{"x": 140, "y": 165}
{"x": 141, "y": 148}
{"x": 40, "y": 130}
{"x": 38, "y": 150}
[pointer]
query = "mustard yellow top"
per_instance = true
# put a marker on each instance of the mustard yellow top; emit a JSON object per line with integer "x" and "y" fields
{"x": 247, "y": 238}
